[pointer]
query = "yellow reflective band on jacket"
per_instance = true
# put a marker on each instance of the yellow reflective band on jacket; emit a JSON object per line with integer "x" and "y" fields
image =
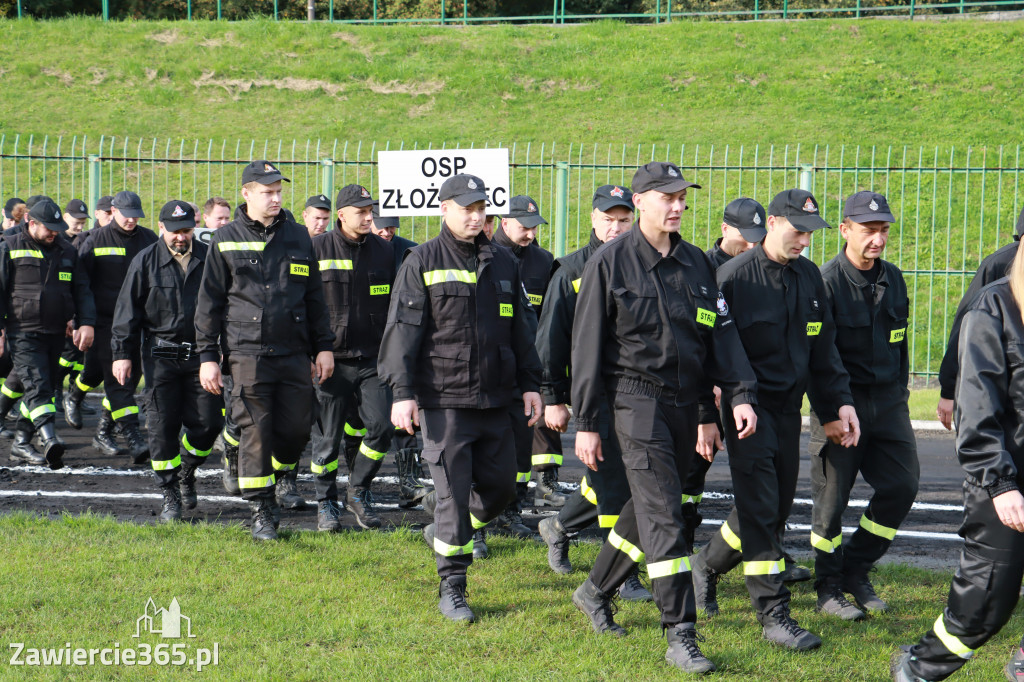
{"x": 85, "y": 388}
{"x": 550, "y": 458}
{"x": 298, "y": 269}
{"x": 625, "y": 546}
{"x": 228, "y": 439}
{"x": 824, "y": 544}
{"x": 167, "y": 464}
{"x": 692, "y": 499}
{"x": 65, "y": 363}
{"x": 587, "y": 492}
{"x": 323, "y": 469}
{"x": 380, "y": 289}
{"x": 535, "y": 299}
{"x": 663, "y": 569}
{"x": 763, "y": 567}
{"x": 576, "y": 285}
{"x": 241, "y": 246}
{"x": 607, "y": 520}
{"x": 731, "y": 538}
{"x": 375, "y": 455}
{"x": 505, "y": 309}
{"x": 250, "y": 482}
{"x": 813, "y": 328}
{"x": 48, "y": 408}
{"x": 110, "y": 251}
{"x": 191, "y": 449}
{"x": 353, "y": 431}
{"x": 523, "y": 477}
{"x": 280, "y": 466}
{"x": 475, "y": 522}
{"x": 64, "y": 276}
{"x": 444, "y": 549}
{"x": 26, "y": 253}
{"x": 952, "y": 643}
{"x": 438, "y": 276}
{"x": 335, "y": 264}
{"x": 897, "y": 335}
{"x": 13, "y": 395}
{"x": 706, "y": 317}
{"x": 877, "y": 528}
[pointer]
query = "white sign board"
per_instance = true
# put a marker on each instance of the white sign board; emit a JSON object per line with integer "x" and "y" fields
{"x": 408, "y": 181}
{"x": 203, "y": 234}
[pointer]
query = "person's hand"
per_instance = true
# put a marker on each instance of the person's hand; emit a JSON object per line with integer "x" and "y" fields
{"x": 3, "y": 341}
{"x": 1010, "y": 509}
{"x": 533, "y": 407}
{"x": 69, "y": 329}
{"x": 746, "y": 420}
{"x": 718, "y": 397}
{"x": 323, "y": 367}
{"x": 846, "y": 430}
{"x": 83, "y": 337}
{"x": 556, "y": 417}
{"x": 588, "y": 448}
{"x": 944, "y": 411}
{"x": 210, "y": 378}
{"x": 122, "y": 369}
{"x": 405, "y": 416}
{"x": 709, "y": 441}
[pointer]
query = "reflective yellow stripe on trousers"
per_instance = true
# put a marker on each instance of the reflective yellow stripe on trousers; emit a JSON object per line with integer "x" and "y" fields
{"x": 191, "y": 449}
{"x": 280, "y": 466}
{"x": 444, "y": 549}
{"x": 588, "y": 493}
{"x": 663, "y": 569}
{"x": 167, "y": 464}
{"x": 731, "y": 538}
{"x": 249, "y": 482}
{"x": 550, "y": 458}
{"x": 623, "y": 545}
{"x": 951, "y": 642}
{"x": 763, "y": 567}
{"x": 877, "y": 528}
{"x": 824, "y": 544}
{"x": 366, "y": 450}
{"x": 324, "y": 469}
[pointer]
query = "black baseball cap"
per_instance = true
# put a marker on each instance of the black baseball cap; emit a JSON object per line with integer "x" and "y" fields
{"x": 129, "y": 204}
{"x": 177, "y": 215}
{"x": 262, "y": 172}
{"x": 76, "y": 208}
{"x": 866, "y": 207}
{"x": 661, "y": 176}
{"x": 747, "y": 216}
{"x": 464, "y": 189}
{"x": 47, "y": 212}
{"x": 9, "y": 206}
{"x": 799, "y": 207}
{"x": 524, "y": 209}
{"x": 35, "y": 199}
{"x": 610, "y": 196}
{"x": 353, "y": 195}
{"x": 381, "y": 222}
{"x": 318, "y": 201}
{"x": 104, "y": 202}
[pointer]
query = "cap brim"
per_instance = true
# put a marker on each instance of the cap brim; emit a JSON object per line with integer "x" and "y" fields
{"x": 753, "y": 234}
{"x": 676, "y": 186}
{"x": 175, "y": 225}
{"x": 358, "y": 203}
{"x": 271, "y": 179}
{"x": 59, "y": 226}
{"x": 807, "y": 223}
{"x": 605, "y": 204}
{"x": 382, "y": 223}
{"x": 131, "y": 212}
{"x": 78, "y": 215}
{"x": 529, "y": 220}
{"x": 471, "y": 198}
{"x": 326, "y": 207}
{"x": 873, "y": 217}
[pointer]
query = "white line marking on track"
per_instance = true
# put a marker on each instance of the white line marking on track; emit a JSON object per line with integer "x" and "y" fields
{"x": 217, "y": 499}
{"x": 927, "y": 535}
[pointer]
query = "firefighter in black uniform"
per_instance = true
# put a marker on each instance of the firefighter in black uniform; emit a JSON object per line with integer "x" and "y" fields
{"x": 76, "y": 213}
{"x": 106, "y": 255}
{"x": 993, "y": 267}
{"x": 156, "y": 311}
{"x": 459, "y": 346}
{"x": 261, "y": 292}
{"x": 44, "y": 291}
{"x": 601, "y": 493}
{"x": 358, "y": 271}
{"x": 778, "y": 299}
{"x": 868, "y": 301}
{"x": 650, "y": 335}
{"x": 990, "y": 446}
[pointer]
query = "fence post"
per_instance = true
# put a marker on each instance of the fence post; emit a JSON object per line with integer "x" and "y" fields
{"x": 190, "y": 10}
{"x": 327, "y": 178}
{"x": 912, "y": 9}
{"x": 95, "y": 173}
{"x": 310, "y": 11}
{"x": 106, "y": 10}
{"x": 19, "y": 9}
{"x": 561, "y": 207}
{"x": 807, "y": 184}
{"x": 218, "y": 10}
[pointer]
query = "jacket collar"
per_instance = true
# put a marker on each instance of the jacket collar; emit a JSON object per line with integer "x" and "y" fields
{"x": 501, "y": 239}
{"x": 650, "y": 256}
{"x": 479, "y": 247}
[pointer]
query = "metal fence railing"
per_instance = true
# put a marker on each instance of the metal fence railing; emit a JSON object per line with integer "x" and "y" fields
{"x": 953, "y": 206}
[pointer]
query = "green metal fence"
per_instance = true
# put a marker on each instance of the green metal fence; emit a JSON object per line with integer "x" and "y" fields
{"x": 953, "y": 205}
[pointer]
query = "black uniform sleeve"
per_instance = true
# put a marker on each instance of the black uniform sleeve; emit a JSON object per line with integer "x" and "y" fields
{"x": 126, "y": 331}
{"x": 524, "y": 337}
{"x": 5, "y": 282}
{"x": 554, "y": 339}
{"x": 81, "y": 290}
{"x": 905, "y": 344}
{"x": 210, "y": 306}
{"x": 829, "y": 385}
{"x": 728, "y": 368}
{"x": 594, "y": 317}
{"x": 983, "y": 405}
{"x": 317, "y": 316}
{"x": 407, "y": 317}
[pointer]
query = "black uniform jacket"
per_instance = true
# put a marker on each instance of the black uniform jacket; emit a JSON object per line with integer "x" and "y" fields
{"x": 458, "y": 334}
{"x": 357, "y": 279}
{"x": 157, "y": 299}
{"x": 654, "y": 326}
{"x": 989, "y": 411}
{"x": 106, "y": 255}
{"x": 42, "y": 287}
{"x": 534, "y": 265}
{"x": 554, "y": 331}
{"x": 717, "y": 255}
{"x": 401, "y": 245}
{"x": 261, "y": 290}
{"x": 871, "y": 337}
{"x": 787, "y": 331}
{"x": 994, "y": 266}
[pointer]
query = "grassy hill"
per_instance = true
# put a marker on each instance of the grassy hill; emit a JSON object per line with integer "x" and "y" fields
{"x": 873, "y": 82}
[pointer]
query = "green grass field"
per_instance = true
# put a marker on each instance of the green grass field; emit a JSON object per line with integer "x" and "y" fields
{"x": 363, "y": 606}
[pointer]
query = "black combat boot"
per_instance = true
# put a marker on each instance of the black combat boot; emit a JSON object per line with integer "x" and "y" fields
{"x": 557, "y": 540}
{"x": 51, "y": 445}
{"x": 73, "y": 407}
{"x": 360, "y": 503}
{"x": 411, "y": 490}
{"x": 859, "y": 586}
{"x": 187, "y": 482}
{"x": 548, "y": 493}
{"x": 781, "y": 629}
{"x": 7, "y": 404}
{"x": 263, "y": 526}
{"x": 104, "y": 438}
{"x": 832, "y": 601}
{"x": 683, "y": 651}
{"x": 705, "y": 586}
{"x": 632, "y": 589}
{"x": 328, "y": 516}
{"x": 23, "y": 450}
{"x": 453, "y": 606}
{"x": 287, "y": 491}
{"x": 597, "y": 606}
{"x": 171, "y": 510}
{"x": 138, "y": 448}
{"x": 229, "y": 477}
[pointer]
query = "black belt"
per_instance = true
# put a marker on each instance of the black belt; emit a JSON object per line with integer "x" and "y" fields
{"x": 166, "y": 350}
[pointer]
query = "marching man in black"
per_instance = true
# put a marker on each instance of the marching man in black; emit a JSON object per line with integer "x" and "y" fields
{"x": 156, "y": 312}
{"x": 44, "y": 292}
{"x": 457, "y": 352}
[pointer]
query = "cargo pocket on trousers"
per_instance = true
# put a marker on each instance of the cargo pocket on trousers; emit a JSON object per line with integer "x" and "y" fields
{"x": 652, "y": 497}
{"x": 434, "y": 457}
